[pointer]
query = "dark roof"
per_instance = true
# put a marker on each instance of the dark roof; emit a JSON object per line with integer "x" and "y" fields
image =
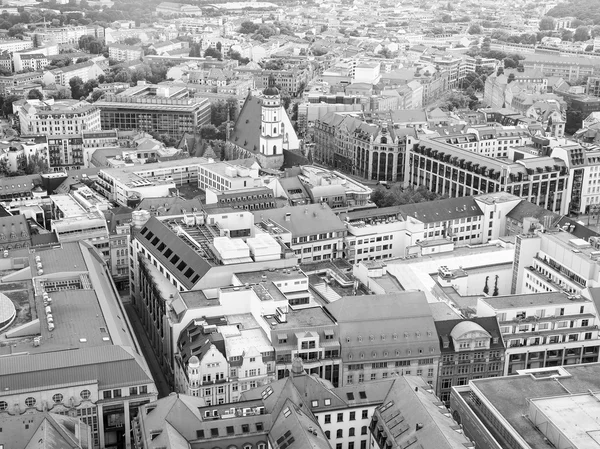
{"x": 246, "y": 131}
{"x": 442, "y": 210}
{"x": 526, "y": 209}
{"x": 49, "y": 238}
{"x": 579, "y": 231}
{"x": 489, "y": 324}
{"x": 173, "y": 252}
{"x": 193, "y": 341}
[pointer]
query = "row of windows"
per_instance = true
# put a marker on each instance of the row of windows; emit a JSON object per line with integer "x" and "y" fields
{"x": 340, "y": 416}
{"x": 56, "y": 398}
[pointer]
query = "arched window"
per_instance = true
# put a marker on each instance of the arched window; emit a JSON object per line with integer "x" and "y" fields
{"x": 340, "y": 433}
{"x": 328, "y": 434}
{"x": 274, "y": 149}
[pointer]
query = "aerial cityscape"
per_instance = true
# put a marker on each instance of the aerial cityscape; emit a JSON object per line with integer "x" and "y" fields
{"x": 299, "y": 224}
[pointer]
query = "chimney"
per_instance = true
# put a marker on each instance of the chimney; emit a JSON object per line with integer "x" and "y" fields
{"x": 419, "y": 426}
{"x": 288, "y": 216}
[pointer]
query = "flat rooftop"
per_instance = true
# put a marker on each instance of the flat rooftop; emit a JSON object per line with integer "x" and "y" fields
{"x": 301, "y": 318}
{"x": 532, "y": 299}
{"x": 577, "y": 417}
{"x": 510, "y": 395}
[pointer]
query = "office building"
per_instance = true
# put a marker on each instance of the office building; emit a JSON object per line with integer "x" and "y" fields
{"x": 544, "y": 329}
{"x": 155, "y": 109}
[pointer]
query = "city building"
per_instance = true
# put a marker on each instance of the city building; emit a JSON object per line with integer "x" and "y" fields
{"x": 76, "y": 355}
{"x": 61, "y": 76}
{"x": 386, "y": 335}
{"x": 155, "y": 109}
{"x": 122, "y": 52}
{"x": 554, "y": 261}
{"x": 58, "y": 117}
{"x": 559, "y": 404}
{"x": 447, "y": 169}
{"x": 369, "y": 150}
{"x": 19, "y": 81}
{"x": 471, "y": 349}
{"x": 544, "y": 329}
{"x": 316, "y": 232}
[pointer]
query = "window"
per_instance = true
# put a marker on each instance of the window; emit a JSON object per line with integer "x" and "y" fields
{"x": 57, "y": 398}
{"x": 340, "y": 417}
{"x": 327, "y": 419}
{"x": 328, "y": 434}
{"x": 117, "y": 393}
{"x": 3, "y": 405}
{"x": 339, "y": 433}
{"x": 351, "y": 432}
{"x": 133, "y": 391}
{"x": 352, "y": 416}
{"x": 365, "y": 414}
{"x": 363, "y": 430}
{"x": 107, "y": 394}
{"x": 85, "y": 394}
{"x": 30, "y": 402}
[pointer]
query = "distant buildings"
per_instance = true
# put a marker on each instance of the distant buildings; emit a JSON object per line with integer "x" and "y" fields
{"x": 121, "y": 52}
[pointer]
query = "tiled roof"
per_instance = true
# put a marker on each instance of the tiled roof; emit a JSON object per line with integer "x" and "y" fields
{"x": 442, "y": 210}
{"x": 489, "y": 324}
{"x": 246, "y": 131}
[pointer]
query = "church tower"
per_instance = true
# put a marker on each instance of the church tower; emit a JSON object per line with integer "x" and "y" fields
{"x": 272, "y": 133}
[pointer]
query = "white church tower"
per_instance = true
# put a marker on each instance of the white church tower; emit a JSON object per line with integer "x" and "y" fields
{"x": 273, "y": 134}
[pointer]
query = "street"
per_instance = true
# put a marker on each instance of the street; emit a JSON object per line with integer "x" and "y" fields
{"x": 162, "y": 385}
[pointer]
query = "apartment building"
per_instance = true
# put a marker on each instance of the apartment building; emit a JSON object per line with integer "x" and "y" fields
{"x": 219, "y": 362}
{"x": 118, "y": 222}
{"x": 386, "y": 335}
{"x": 471, "y": 349}
{"x": 122, "y": 52}
{"x": 456, "y": 172}
{"x": 58, "y": 117}
{"x": 369, "y": 150}
{"x": 15, "y": 45}
{"x": 307, "y": 333}
{"x": 249, "y": 198}
{"x": 35, "y": 62}
{"x": 555, "y": 261}
{"x": 61, "y": 76}
{"x": 544, "y": 329}
{"x": 65, "y": 35}
{"x": 18, "y": 81}
{"x": 316, "y": 231}
{"x": 569, "y": 68}
{"x": 81, "y": 328}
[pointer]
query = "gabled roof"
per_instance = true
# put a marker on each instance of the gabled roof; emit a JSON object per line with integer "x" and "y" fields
{"x": 173, "y": 252}
{"x": 45, "y": 430}
{"x": 246, "y": 131}
{"x": 448, "y": 328}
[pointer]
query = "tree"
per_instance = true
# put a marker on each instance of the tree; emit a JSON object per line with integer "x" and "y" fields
{"x": 475, "y": 29}
{"x": 511, "y": 78}
{"x": 96, "y": 95}
{"x": 547, "y": 23}
{"x": 77, "y": 87}
{"x": 248, "y": 27}
{"x": 582, "y": 34}
{"x": 213, "y": 53}
{"x": 35, "y": 94}
{"x": 8, "y": 102}
{"x": 566, "y": 35}
{"x": 510, "y": 63}
{"x": 496, "y": 287}
{"x": 62, "y": 93}
{"x": 35, "y": 165}
{"x": 486, "y": 289}
{"x": 123, "y": 76}
{"x": 96, "y": 48}
{"x": 132, "y": 41}
{"x": 209, "y": 132}
{"x": 4, "y": 169}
